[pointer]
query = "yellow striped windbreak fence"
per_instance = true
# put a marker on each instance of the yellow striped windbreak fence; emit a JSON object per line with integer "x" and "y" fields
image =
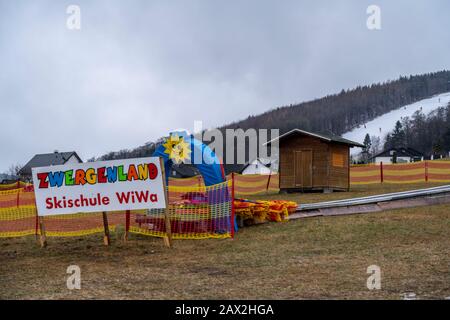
{"x": 423, "y": 171}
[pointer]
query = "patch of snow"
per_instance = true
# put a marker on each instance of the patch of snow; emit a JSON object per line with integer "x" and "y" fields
{"x": 385, "y": 123}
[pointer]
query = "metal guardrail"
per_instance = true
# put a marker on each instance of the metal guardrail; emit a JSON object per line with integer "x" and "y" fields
{"x": 376, "y": 198}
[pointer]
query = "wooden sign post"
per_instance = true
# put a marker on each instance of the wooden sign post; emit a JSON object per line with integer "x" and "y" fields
{"x": 127, "y": 225}
{"x": 36, "y": 226}
{"x": 106, "y": 238}
{"x": 168, "y": 237}
{"x": 43, "y": 238}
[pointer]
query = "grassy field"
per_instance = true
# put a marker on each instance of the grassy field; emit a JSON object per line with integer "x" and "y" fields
{"x": 322, "y": 257}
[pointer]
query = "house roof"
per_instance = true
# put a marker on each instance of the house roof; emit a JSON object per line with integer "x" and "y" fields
{"x": 236, "y": 168}
{"x": 47, "y": 159}
{"x": 265, "y": 162}
{"x": 401, "y": 152}
{"x": 321, "y": 136}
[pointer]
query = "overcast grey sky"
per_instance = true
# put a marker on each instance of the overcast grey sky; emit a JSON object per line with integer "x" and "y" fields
{"x": 138, "y": 69}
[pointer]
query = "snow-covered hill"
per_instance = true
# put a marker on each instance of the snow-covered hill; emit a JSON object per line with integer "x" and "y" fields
{"x": 382, "y": 125}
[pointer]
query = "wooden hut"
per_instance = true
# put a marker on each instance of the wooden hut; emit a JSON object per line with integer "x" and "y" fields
{"x": 311, "y": 161}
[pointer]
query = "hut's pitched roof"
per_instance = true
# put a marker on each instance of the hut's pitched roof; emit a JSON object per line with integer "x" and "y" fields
{"x": 325, "y": 137}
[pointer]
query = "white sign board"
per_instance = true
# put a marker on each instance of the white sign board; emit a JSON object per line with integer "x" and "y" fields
{"x": 99, "y": 186}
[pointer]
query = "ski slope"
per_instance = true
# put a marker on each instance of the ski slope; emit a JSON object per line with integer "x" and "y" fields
{"x": 385, "y": 123}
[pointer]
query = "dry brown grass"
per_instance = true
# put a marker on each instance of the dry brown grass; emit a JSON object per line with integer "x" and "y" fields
{"x": 323, "y": 257}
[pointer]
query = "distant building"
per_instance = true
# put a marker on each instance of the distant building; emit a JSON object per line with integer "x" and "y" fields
{"x": 7, "y": 178}
{"x": 261, "y": 166}
{"x": 233, "y": 168}
{"x": 397, "y": 155}
{"x": 182, "y": 170}
{"x": 48, "y": 159}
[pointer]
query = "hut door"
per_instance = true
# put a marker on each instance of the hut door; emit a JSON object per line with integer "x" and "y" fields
{"x": 303, "y": 169}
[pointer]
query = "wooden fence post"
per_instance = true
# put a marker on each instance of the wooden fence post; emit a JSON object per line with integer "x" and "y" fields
{"x": 381, "y": 172}
{"x": 18, "y": 193}
{"x": 426, "y": 171}
{"x": 268, "y": 182}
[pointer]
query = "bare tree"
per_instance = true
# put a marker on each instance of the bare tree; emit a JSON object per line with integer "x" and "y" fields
{"x": 376, "y": 145}
{"x": 14, "y": 169}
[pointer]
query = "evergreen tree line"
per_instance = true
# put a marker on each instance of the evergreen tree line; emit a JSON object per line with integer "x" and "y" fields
{"x": 429, "y": 134}
{"x": 339, "y": 113}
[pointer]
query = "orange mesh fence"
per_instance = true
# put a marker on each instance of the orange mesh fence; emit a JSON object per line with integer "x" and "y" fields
{"x": 16, "y": 222}
{"x": 249, "y": 184}
{"x": 11, "y": 186}
{"x": 23, "y": 197}
{"x": 17, "y": 213}
{"x": 195, "y": 213}
{"x": 274, "y": 183}
{"x": 423, "y": 171}
{"x": 365, "y": 174}
{"x": 438, "y": 171}
{"x": 81, "y": 224}
{"x": 404, "y": 173}
{"x": 196, "y": 181}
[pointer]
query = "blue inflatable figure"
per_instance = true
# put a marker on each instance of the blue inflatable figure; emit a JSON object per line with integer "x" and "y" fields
{"x": 182, "y": 147}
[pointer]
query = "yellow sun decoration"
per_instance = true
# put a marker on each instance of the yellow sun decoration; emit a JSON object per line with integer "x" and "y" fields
{"x": 177, "y": 149}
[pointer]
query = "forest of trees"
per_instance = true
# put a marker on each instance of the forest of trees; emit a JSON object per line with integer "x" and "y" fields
{"x": 337, "y": 113}
{"x": 342, "y": 112}
{"x": 140, "y": 152}
{"x": 429, "y": 134}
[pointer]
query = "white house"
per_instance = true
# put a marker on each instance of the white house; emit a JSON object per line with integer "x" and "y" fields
{"x": 397, "y": 155}
{"x": 261, "y": 166}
